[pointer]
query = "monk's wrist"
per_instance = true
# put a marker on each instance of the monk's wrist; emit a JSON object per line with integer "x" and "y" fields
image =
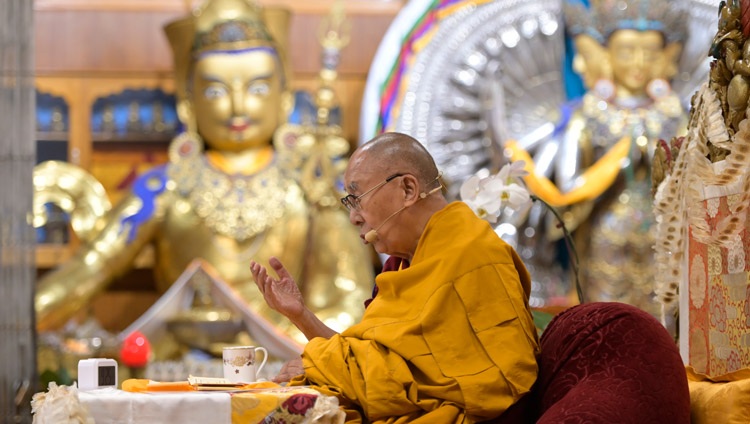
{"x": 303, "y": 318}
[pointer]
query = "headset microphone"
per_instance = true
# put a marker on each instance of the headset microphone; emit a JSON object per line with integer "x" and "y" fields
{"x": 372, "y": 235}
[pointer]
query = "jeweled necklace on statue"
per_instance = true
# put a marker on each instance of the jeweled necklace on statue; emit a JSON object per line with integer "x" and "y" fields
{"x": 608, "y": 122}
{"x": 235, "y": 205}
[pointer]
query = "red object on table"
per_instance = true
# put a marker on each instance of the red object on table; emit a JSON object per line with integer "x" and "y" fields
{"x": 136, "y": 350}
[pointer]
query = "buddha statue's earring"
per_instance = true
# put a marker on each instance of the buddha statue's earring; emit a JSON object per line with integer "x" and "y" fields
{"x": 186, "y": 145}
{"x": 604, "y": 89}
{"x": 658, "y": 88}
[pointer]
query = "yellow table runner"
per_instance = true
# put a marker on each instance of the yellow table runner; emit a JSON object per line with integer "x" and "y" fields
{"x": 285, "y": 405}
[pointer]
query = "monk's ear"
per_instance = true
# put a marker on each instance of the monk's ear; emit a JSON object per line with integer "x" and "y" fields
{"x": 410, "y": 185}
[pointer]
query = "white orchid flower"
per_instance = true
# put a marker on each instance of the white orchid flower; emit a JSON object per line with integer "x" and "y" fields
{"x": 515, "y": 196}
{"x": 483, "y": 197}
{"x": 487, "y": 197}
{"x": 512, "y": 172}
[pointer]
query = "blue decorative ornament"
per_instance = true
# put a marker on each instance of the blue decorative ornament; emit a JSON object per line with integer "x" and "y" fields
{"x": 146, "y": 187}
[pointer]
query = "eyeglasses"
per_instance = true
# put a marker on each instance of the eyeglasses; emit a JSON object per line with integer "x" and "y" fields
{"x": 351, "y": 201}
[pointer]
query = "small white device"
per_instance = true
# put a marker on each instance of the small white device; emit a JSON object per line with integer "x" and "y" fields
{"x": 97, "y": 373}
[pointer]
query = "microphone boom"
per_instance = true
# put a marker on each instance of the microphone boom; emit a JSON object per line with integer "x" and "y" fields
{"x": 372, "y": 235}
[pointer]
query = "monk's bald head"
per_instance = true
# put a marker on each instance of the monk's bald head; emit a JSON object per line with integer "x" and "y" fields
{"x": 393, "y": 152}
{"x": 401, "y": 182}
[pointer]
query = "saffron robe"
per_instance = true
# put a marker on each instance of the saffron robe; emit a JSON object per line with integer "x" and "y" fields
{"x": 449, "y": 339}
{"x": 393, "y": 263}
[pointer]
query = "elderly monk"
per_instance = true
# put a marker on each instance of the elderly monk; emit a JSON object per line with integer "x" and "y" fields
{"x": 448, "y": 339}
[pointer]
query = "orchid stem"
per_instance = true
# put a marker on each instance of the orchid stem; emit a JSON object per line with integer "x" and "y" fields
{"x": 569, "y": 244}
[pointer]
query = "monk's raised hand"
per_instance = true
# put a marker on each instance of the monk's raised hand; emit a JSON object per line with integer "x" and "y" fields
{"x": 281, "y": 294}
{"x": 260, "y": 276}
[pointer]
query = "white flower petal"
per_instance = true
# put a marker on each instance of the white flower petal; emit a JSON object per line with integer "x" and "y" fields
{"x": 517, "y": 169}
{"x": 516, "y": 195}
{"x": 504, "y": 172}
{"x": 473, "y": 206}
{"x": 470, "y": 188}
{"x": 494, "y": 185}
{"x": 493, "y": 206}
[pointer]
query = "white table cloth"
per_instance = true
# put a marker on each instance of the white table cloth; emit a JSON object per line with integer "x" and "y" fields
{"x": 111, "y": 406}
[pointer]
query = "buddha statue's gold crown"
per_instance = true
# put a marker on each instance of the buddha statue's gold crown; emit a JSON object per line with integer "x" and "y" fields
{"x": 230, "y": 25}
{"x": 603, "y": 17}
{"x": 223, "y": 25}
{"x": 220, "y": 25}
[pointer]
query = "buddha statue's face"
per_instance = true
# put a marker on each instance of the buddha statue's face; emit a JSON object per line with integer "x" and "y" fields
{"x": 237, "y": 98}
{"x": 636, "y": 58}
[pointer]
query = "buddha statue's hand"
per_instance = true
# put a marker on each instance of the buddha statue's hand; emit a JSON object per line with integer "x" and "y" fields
{"x": 282, "y": 294}
{"x": 316, "y": 156}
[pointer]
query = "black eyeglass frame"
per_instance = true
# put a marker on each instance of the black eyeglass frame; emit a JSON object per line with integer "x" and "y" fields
{"x": 351, "y": 201}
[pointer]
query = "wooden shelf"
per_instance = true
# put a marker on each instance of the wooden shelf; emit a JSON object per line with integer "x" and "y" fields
{"x": 151, "y": 138}
{"x": 51, "y": 255}
{"x": 61, "y": 136}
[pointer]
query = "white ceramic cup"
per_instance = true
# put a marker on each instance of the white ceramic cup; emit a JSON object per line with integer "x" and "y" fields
{"x": 240, "y": 363}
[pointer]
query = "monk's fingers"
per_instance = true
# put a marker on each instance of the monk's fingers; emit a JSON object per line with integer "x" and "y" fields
{"x": 255, "y": 270}
{"x": 279, "y": 268}
{"x": 289, "y": 370}
{"x": 267, "y": 284}
{"x": 282, "y": 377}
{"x": 264, "y": 281}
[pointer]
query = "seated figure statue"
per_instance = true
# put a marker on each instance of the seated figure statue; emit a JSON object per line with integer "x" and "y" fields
{"x": 626, "y": 56}
{"x": 236, "y": 187}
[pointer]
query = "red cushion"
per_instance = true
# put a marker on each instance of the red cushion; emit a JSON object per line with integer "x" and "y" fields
{"x": 608, "y": 362}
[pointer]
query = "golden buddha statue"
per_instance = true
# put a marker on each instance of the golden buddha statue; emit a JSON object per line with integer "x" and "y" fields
{"x": 626, "y": 53}
{"x": 236, "y": 187}
{"x": 626, "y": 56}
